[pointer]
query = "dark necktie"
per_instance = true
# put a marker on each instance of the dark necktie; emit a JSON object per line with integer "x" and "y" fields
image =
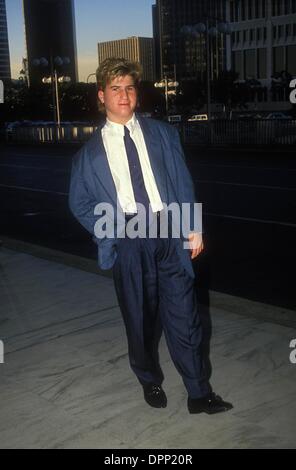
{"x": 137, "y": 179}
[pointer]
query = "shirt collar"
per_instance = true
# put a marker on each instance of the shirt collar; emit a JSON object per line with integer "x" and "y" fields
{"x": 119, "y": 128}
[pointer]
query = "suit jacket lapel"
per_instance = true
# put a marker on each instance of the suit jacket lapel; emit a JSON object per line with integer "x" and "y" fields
{"x": 156, "y": 156}
{"x": 101, "y": 166}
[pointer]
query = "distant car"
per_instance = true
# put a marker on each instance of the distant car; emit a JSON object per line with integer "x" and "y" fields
{"x": 175, "y": 118}
{"x": 146, "y": 115}
{"x": 278, "y": 115}
{"x": 198, "y": 117}
{"x": 10, "y": 126}
{"x": 245, "y": 116}
{"x": 81, "y": 123}
{"x": 42, "y": 123}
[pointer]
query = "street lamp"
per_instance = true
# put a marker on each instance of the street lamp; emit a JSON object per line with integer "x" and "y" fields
{"x": 90, "y": 75}
{"x": 54, "y": 80}
{"x": 213, "y": 31}
{"x": 166, "y": 84}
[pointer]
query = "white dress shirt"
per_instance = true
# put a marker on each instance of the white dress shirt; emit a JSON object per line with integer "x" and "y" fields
{"x": 113, "y": 139}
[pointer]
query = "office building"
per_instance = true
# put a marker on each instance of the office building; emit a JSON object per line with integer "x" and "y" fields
{"x": 5, "y": 72}
{"x": 50, "y": 33}
{"x": 263, "y": 38}
{"x": 156, "y": 42}
{"x": 133, "y": 48}
{"x": 183, "y": 54}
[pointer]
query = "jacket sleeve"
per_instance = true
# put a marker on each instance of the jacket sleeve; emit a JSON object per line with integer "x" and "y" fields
{"x": 81, "y": 202}
{"x": 192, "y": 215}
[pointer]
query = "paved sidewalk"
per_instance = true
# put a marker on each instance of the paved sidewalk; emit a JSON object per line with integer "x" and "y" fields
{"x": 66, "y": 382}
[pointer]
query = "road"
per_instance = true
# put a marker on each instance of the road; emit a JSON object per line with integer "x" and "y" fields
{"x": 249, "y": 207}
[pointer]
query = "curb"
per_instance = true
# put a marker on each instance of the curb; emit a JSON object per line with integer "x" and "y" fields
{"x": 208, "y": 298}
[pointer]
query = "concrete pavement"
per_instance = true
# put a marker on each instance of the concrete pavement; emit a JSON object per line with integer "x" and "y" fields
{"x": 66, "y": 382}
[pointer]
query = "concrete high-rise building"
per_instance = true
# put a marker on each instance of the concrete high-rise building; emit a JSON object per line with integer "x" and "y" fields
{"x": 263, "y": 38}
{"x": 156, "y": 41}
{"x": 50, "y": 33}
{"x": 133, "y": 48}
{"x": 5, "y": 72}
{"x": 182, "y": 54}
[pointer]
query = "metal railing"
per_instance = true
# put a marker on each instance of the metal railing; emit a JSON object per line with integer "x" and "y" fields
{"x": 241, "y": 132}
{"x": 51, "y": 134}
{"x": 217, "y": 132}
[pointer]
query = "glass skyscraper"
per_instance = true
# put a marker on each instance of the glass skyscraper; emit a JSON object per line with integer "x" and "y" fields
{"x": 4, "y": 46}
{"x": 50, "y": 32}
{"x": 185, "y": 54}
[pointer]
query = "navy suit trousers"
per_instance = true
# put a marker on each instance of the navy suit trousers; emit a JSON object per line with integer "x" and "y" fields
{"x": 155, "y": 294}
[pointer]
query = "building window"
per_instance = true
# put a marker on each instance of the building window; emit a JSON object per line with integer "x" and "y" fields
{"x": 287, "y": 7}
{"x": 281, "y": 31}
{"x": 291, "y": 63}
{"x": 264, "y": 8}
{"x": 252, "y": 35}
{"x": 243, "y": 10}
{"x": 274, "y": 10}
{"x": 250, "y": 63}
{"x": 257, "y": 9}
{"x": 250, "y": 9}
{"x": 293, "y": 6}
{"x": 259, "y": 34}
{"x": 274, "y": 28}
{"x": 236, "y": 11}
{"x": 237, "y": 61}
{"x": 278, "y": 59}
{"x": 280, "y": 7}
{"x": 262, "y": 63}
{"x": 232, "y": 12}
{"x": 288, "y": 30}
{"x": 264, "y": 33}
{"x": 245, "y": 35}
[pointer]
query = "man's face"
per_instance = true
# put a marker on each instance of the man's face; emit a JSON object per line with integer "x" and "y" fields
{"x": 120, "y": 99}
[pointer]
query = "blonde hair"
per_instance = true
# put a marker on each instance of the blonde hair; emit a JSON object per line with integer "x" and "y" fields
{"x": 117, "y": 67}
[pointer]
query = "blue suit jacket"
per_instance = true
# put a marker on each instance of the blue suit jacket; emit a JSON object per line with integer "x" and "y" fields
{"x": 92, "y": 182}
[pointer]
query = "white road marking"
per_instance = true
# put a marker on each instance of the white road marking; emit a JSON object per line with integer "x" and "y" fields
{"x": 35, "y": 155}
{"x": 56, "y": 170}
{"x": 247, "y": 167}
{"x": 35, "y": 190}
{"x": 258, "y": 186}
{"x": 249, "y": 219}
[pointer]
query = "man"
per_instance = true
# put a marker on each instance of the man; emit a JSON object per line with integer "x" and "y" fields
{"x": 132, "y": 162}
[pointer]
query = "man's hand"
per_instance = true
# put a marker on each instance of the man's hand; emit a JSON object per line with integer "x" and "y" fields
{"x": 195, "y": 244}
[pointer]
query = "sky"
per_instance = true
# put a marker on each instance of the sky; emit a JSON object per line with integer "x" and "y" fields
{"x": 96, "y": 21}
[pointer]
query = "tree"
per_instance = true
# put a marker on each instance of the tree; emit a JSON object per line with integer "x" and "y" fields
{"x": 225, "y": 90}
{"x": 192, "y": 97}
{"x": 79, "y": 101}
{"x": 151, "y": 98}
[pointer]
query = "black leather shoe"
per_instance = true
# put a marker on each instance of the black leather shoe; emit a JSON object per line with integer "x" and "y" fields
{"x": 154, "y": 395}
{"x": 209, "y": 404}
